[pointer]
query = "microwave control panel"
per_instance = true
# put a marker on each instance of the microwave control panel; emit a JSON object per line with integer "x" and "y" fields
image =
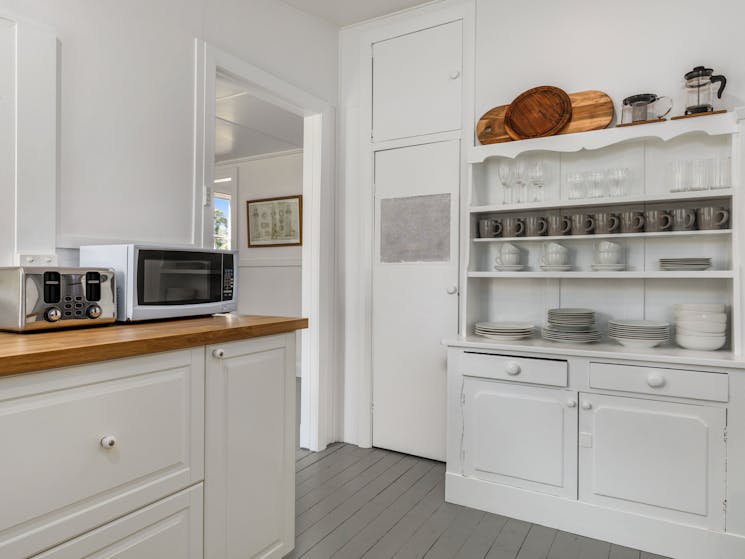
{"x": 227, "y": 284}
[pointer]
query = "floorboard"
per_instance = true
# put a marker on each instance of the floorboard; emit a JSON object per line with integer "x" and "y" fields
{"x": 353, "y": 503}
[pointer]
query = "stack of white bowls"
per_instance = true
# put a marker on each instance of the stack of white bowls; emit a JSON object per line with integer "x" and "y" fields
{"x": 700, "y": 326}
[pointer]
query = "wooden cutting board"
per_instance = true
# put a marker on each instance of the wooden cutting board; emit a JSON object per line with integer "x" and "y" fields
{"x": 591, "y": 110}
{"x": 539, "y": 112}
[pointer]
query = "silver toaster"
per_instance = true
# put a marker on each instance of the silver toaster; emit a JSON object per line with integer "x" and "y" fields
{"x": 34, "y": 299}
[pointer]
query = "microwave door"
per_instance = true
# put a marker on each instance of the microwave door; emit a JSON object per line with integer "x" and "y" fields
{"x": 167, "y": 278}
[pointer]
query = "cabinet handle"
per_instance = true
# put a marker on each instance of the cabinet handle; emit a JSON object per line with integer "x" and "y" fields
{"x": 452, "y": 290}
{"x": 454, "y": 75}
{"x": 572, "y": 404}
{"x": 512, "y": 369}
{"x": 218, "y": 353}
{"x": 655, "y": 380}
{"x": 586, "y": 405}
{"x": 108, "y": 442}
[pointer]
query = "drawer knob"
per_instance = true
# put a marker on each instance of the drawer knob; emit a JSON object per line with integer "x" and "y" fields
{"x": 586, "y": 405}
{"x": 218, "y": 353}
{"x": 512, "y": 368}
{"x": 108, "y": 442}
{"x": 454, "y": 75}
{"x": 656, "y": 380}
{"x": 572, "y": 404}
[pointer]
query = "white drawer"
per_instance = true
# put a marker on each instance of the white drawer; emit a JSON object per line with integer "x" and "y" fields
{"x": 57, "y": 478}
{"x": 517, "y": 369}
{"x": 680, "y": 383}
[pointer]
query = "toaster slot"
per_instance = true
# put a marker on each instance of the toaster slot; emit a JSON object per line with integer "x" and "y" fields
{"x": 52, "y": 291}
{"x": 93, "y": 286}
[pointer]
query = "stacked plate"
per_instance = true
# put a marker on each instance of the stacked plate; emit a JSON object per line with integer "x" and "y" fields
{"x": 504, "y": 331}
{"x": 571, "y": 326}
{"x": 700, "y": 326}
{"x": 639, "y": 333}
{"x": 684, "y": 264}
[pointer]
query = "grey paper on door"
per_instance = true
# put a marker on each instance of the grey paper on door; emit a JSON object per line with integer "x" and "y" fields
{"x": 415, "y": 229}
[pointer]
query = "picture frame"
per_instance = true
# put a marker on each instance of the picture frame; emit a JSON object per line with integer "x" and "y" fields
{"x": 275, "y": 222}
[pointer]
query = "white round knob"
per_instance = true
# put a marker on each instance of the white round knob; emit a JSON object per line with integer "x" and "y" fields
{"x": 108, "y": 442}
{"x": 454, "y": 75}
{"x": 452, "y": 290}
{"x": 572, "y": 404}
{"x": 512, "y": 368}
{"x": 218, "y": 353}
{"x": 656, "y": 380}
{"x": 586, "y": 405}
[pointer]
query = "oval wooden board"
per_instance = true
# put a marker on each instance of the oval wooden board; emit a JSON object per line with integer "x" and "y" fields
{"x": 539, "y": 112}
{"x": 591, "y": 110}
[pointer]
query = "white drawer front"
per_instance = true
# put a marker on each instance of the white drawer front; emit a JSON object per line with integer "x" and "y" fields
{"x": 680, "y": 383}
{"x": 517, "y": 369}
{"x": 168, "y": 529}
{"x": 56, "y": 472}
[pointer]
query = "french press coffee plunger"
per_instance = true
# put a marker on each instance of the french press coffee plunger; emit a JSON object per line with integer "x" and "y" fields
{"x": 700, "y": 89}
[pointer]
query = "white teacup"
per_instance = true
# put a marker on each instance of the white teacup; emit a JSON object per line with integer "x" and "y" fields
{"x": 607, "y": 246}
{"x": 608, "y": 257}
{"x": 555, "y": 259}
{"x": 509, "y": 259}
{"x": 509, "y": 248}
{"x": 550, "y": 248}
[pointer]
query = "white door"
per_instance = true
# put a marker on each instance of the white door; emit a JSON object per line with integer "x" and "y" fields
{"x": 415, "y": 301}
{"x": 523, "y": 436}
{"x": 417, "y": 83}
{"x": 654, "y": 458}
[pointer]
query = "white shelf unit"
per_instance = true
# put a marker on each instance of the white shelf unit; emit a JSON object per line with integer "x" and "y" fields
{"x": 642, "y": 290}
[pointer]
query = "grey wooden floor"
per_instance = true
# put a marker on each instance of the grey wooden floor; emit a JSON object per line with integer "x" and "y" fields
{"x": 354, "y": 502}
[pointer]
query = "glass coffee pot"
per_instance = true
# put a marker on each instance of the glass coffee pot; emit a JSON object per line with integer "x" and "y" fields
{"x": 643, "y": 107}
{"x": 700, "y": 89}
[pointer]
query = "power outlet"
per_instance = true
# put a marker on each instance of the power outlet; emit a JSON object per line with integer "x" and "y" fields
{"x": 37, "y": 259}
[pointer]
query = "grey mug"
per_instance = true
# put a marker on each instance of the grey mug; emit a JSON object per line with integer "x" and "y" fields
{"x": 632, "y": 222}
{"x": 582, "y": 224}
{"x": 559, "y": 225}
{"x": 606, "y": 222}
{"x": 535, "y": 226}
{"x": 513, "y": 227}
{"x": 657, "y": 220}
{"x": 684, "y": 219}
{"x": 489, "y": 228}
{"x": 712, "y": 218}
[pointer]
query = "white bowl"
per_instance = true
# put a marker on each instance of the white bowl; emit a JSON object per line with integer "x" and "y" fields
{"x": 699, "y": 307}
{"x": 703, "y": 343}
{"x": 642, "y": 344}
{"x": 702, "y": 326}
{"x": 701, "y": 316}
{"x": 686, "y": 332}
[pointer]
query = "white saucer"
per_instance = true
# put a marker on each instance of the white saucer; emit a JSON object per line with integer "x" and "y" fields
{"x": 510, "y": 267}
{"x": 608, "y": 267}
{"x": 563, "y": 268}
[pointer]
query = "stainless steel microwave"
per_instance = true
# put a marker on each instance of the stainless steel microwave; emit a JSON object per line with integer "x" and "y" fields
{"x": 155, "y": 282}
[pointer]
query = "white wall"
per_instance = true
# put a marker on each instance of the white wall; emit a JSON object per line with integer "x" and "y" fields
{"x": 620, "y": 48}
{"x": 127, "y": 85}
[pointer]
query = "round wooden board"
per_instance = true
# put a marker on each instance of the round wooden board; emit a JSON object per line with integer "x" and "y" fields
{"x": 538, "y": 112}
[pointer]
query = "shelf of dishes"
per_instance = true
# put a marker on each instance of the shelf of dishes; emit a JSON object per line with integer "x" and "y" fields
{"x": 722, "y": 194}
{"x": 585, "y": 274}
{"x": 591, "y": 237}
{"x": 726, "y": 123}
{"x": 700, "y": 327}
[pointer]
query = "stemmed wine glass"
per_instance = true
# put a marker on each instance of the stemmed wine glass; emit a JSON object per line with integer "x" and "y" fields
{"x": 537, "y": 180}
{"x": 521, "y": 180}
{"x": 506, "y": 172}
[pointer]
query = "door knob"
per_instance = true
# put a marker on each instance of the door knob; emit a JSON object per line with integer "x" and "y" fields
{"x": 656, "y": 380}
{"x": 108, "y": 442}
{"x": 454, "y": 75}
{"x": 452, "y": 290}
{"x": 512, "y": 368}
{"x": 586, "y": 405}
{"x": 572, "y": 404}
{"x": 218, "y": 353}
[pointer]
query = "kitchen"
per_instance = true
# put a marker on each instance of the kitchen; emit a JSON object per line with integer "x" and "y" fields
{"x": 109, "y": 103}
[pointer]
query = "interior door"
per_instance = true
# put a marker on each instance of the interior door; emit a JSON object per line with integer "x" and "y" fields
{"x": 417, "y": 83}
{"x": 523, "y": 436}
{"x": 655, "y": 458}
{"x": 415, "y": 287}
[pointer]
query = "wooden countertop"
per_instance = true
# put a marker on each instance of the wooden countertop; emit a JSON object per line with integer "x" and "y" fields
{"x": 24, "y": 353}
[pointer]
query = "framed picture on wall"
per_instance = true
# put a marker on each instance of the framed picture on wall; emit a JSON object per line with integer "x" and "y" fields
{"x": 275, "y": 222}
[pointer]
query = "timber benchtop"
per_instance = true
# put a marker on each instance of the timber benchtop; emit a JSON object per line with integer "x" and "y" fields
{"x": 24, "y": 353}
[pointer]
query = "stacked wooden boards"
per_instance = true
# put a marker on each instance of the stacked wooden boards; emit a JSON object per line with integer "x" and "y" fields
{"x": 590, "y": 110}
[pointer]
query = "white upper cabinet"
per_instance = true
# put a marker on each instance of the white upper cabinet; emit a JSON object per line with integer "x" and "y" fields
{"x": 417, "y": 83}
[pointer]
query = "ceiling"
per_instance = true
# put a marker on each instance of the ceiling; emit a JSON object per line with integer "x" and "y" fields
{"x": 348, "y": 12}
{"x": 247, "y": 126}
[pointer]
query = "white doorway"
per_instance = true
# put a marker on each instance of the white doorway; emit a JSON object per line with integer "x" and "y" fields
{"x": 263, "y": 138}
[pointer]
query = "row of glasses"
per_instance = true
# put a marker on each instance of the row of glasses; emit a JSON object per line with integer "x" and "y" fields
{"x": 522, "y": 180}
{"x": 599, "y": 183}
{"x": 689, "y": 175}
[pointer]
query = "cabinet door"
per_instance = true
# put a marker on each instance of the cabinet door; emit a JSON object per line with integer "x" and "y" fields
{"x": 524, "y": 436}
{"x": 654, "y": 458}
{"x": 168, "y": 529}
{"x": 417, "y": 83}
{"x": 250, "y": 442}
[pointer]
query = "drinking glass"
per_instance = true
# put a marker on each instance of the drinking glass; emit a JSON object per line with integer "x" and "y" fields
{"x": 702, "y": 174}
{"x": 680, "y": 175}
{"x": 617, "y": 179}
{"x": 505, "y": 171}
{"x": 722, "y": 173}
{"x": 521, "y": 181}
{"x": 576, "y": 186}
{"x": 537, "y": 180}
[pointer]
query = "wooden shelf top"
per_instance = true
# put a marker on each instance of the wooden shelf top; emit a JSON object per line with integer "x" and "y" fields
{"x": 24, "y": 353}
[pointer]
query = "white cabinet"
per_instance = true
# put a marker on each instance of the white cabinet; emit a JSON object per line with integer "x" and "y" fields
{"x": 60, "y": 477}
{"x": 417, "y": 83}
{"x": 168, "y": 529}
{"x": 523, "y": 436}
{"x": 250, "y": 448}
{"x": 654, "y": 458}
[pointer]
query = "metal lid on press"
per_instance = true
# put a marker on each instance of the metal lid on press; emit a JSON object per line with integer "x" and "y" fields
{"x": 699, "y": 72}
{"x": 640, "y": 98}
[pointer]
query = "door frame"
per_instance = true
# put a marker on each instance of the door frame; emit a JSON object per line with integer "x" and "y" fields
{"x": 318, "y": 415}
{"x": 359, "y": 193}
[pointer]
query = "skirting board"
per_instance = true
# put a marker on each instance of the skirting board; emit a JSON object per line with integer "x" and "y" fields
{"x": 668, "y": 539}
